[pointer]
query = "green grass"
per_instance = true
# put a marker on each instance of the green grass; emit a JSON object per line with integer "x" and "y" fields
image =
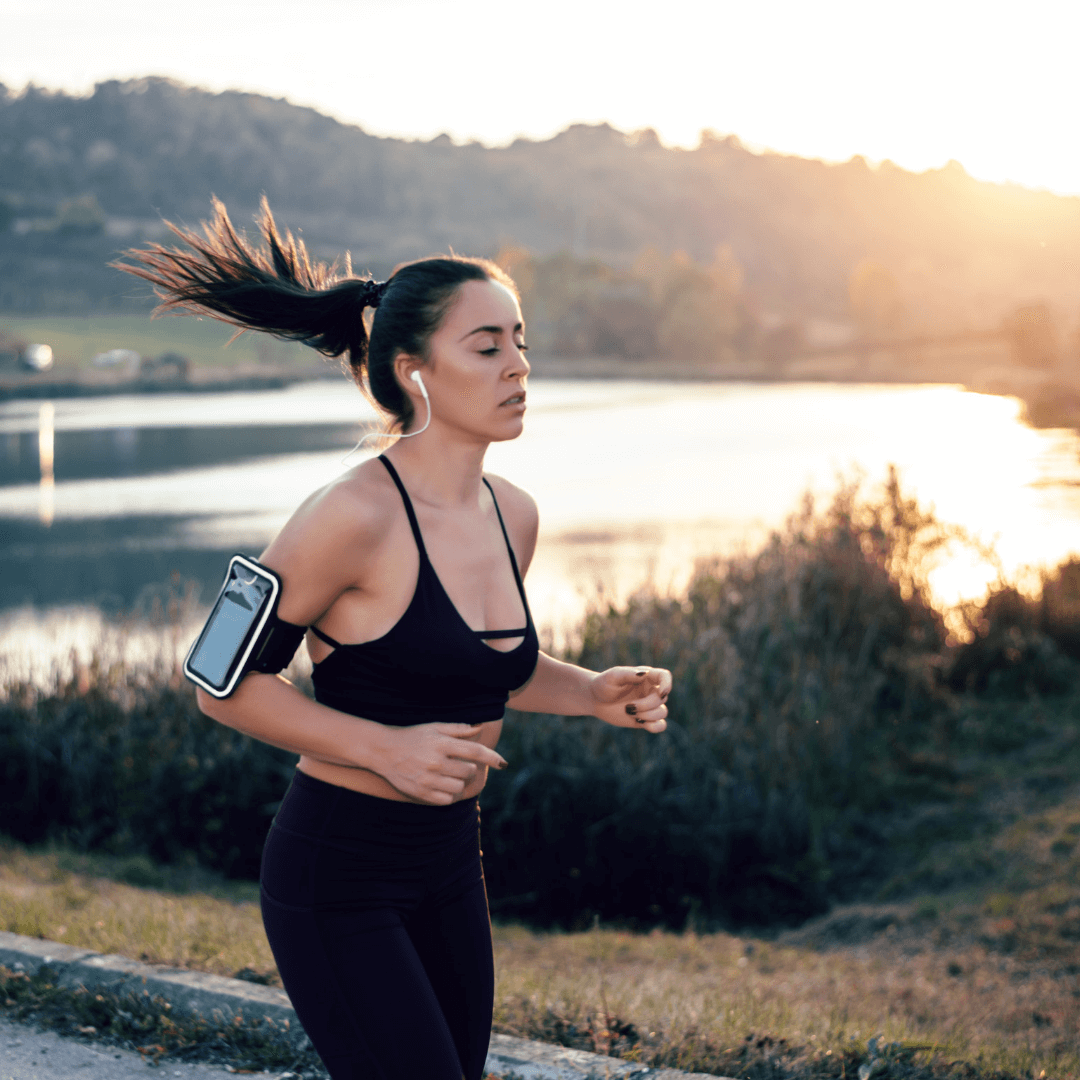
{"x": 75, "y": 339}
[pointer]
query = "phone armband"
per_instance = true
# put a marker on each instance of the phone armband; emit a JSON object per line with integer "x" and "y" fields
{"x": 243, "y": 632}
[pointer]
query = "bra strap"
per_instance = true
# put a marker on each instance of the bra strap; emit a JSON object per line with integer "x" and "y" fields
{"x": 415, "y": 525}
{"x": 325, "y": 637}
{"x": 510, "y": 551}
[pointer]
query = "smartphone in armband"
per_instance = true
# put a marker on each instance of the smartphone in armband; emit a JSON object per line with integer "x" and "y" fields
{"x": 221, "y": 655}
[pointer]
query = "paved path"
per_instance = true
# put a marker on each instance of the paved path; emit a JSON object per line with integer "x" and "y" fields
{"x": 29, "y": 1054}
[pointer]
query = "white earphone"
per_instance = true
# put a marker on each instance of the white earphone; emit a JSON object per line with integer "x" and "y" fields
{"x": 415, "y": 376}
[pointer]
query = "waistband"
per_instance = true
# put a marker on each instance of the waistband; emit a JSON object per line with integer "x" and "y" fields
{"x": 358, "y": 805}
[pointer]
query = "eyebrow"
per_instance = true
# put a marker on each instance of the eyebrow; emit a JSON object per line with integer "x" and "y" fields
{"x": 518, "y": 328}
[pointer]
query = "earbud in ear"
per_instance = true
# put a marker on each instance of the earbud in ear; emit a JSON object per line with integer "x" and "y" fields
{"x": 415, "y": 376}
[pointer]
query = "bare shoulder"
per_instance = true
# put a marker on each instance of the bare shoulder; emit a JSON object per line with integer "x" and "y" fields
{"x": 325, "y": 545}
{"x": 355, "y": 507}
{"x": 515, "y": 502}
{"x": 522, "y": 517}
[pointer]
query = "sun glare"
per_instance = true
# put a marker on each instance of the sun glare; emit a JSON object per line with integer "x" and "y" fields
{"x": 985, "y": 87}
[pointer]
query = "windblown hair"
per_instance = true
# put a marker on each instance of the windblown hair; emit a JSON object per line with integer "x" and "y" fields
{"x": 280, "y": 291}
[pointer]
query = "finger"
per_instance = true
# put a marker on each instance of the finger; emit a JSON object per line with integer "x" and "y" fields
{"x": 478, "y": 753}
{"x": 649, "y": 678}
{"x": 435, "y": 798}
{"x": 660, "y": 712}
{"x": 447, "y": 785}
{"x": 461, "y": 770}
{"x": 458, "y": 731}
{"x": 657, "y": 680}
{"x": 628, "y": 676}
{"x": 643, "y": 704}
{"x": 650, "y": 716}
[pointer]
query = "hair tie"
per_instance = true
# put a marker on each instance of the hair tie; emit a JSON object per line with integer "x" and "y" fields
{"x": 372, "y": 292}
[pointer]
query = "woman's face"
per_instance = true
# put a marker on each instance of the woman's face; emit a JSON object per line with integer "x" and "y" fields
{"x": 477, "y": 368}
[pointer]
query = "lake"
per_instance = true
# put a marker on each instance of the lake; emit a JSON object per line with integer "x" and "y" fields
{"x": 102, "y": 500}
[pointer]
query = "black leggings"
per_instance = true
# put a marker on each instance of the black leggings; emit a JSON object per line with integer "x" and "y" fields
{"x": 377, "y": 917}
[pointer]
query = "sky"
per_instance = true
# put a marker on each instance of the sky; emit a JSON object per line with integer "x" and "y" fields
{"x": 986, "y": 83}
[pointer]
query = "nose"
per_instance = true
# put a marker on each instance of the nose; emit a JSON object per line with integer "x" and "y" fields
{"x": 518, "y": 366}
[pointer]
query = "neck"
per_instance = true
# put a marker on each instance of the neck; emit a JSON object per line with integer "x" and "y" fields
{"x": 440, "y": 471}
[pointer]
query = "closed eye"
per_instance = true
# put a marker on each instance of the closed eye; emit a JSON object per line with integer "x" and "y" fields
{"x": 494, "y": 350}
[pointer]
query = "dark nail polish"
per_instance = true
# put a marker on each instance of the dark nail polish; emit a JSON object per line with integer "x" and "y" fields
{"x": 631, "y": 710}
{"x": 641, "y": 719}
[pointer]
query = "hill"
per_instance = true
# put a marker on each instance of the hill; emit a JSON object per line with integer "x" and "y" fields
{"x": 892, "y": 251}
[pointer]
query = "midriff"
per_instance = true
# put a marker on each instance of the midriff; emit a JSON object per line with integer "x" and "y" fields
{"x": 371, "y": 783}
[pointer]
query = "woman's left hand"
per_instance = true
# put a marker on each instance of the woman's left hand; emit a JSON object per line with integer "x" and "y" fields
{"x": 632, "y": 697}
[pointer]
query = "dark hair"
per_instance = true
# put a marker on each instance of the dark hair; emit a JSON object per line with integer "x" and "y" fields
{"x": 281, "y": 291}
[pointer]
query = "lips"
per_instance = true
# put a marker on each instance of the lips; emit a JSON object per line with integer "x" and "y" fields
{"x": 516, "y": 399}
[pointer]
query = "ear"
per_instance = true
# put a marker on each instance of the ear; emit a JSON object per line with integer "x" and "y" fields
{"x": 404, "y": 366}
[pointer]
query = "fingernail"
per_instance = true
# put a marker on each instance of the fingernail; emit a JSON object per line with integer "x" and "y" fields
{"x": 641, "y": 720}
{"x": 631, "y": 710}
{"x": 640, "y": 673}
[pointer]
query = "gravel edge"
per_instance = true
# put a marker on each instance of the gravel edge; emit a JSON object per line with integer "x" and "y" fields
{"x": 217, "y": 997}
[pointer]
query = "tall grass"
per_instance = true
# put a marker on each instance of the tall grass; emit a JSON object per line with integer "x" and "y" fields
{"x": 817, "y": 701}
{"x": 798, "y": 670}
{"x": 121, "y": 760}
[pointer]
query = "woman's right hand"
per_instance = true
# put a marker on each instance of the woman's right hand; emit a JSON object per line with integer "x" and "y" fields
{"x": 434, "y": 763}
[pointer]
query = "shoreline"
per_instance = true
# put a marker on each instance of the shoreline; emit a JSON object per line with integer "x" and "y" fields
{"x": 1051, "y": 396}
{"x": 21, "y": 386}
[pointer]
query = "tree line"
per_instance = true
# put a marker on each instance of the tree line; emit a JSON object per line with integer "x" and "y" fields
{"x": 623, "y": 216}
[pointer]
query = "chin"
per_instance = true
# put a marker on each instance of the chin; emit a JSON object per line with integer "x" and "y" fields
{"x": 505, "y": 429}
{"x": 513, "y": 429}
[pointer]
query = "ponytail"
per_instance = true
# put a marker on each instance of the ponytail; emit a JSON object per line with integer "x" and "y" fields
{"x": 279, "y": 290}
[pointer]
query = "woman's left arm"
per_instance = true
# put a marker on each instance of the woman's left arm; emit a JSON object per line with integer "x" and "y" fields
{"x": 623, "y": 696}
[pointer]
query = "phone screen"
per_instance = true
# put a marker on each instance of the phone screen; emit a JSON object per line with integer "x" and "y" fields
{"x": 235, "y": 613}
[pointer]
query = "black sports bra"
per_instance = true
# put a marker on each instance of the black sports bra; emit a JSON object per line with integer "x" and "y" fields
{"x": 430, "y": 665}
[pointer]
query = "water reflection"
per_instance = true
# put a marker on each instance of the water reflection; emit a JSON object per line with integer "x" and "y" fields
{"x": 128, "y": 450}
{"x": 634, "y": 480}
{"x": 46, "y": 435}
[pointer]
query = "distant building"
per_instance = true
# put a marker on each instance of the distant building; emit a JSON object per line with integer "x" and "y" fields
{"x": 37, "y": 357}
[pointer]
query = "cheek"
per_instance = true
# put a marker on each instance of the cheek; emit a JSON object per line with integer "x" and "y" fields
{"x": 473, "y": 391}
{"x": 469, "y": 399}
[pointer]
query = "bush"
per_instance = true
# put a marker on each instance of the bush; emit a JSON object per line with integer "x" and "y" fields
{"x": 802, "y": 674}
{"x": 1022, "y": 645}
{"x": 126, "y": 763}
{"x": 810, "y": 713}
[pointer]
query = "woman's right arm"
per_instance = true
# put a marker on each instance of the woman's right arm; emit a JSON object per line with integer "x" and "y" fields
{"x": 430, "y": 763}
{"x": 269, "y": 708}
{"x": 325, "y": 549}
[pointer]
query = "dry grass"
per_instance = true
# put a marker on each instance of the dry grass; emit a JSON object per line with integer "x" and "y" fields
{"x": 733, "y": 1006}
{"x": 988, "y": 976}
{"x": 40, "y": 897}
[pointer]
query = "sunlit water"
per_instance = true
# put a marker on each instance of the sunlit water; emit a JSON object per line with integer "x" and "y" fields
{"x": 635, "y": 480}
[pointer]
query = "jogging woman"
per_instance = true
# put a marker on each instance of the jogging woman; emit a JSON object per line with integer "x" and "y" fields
{"x": 408, "y": 571}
